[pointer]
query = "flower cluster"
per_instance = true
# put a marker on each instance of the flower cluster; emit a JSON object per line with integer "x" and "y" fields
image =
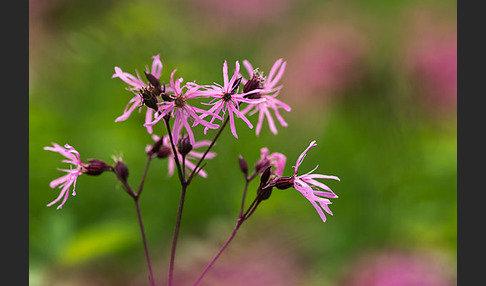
{"x": 258, "y": 93}
{"x": 176, "y": 106}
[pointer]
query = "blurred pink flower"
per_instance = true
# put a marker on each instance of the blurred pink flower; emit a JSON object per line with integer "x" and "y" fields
{"x": 254, "y": 260}
{"x": 326, "y": 60}
{"x": 136, "y": 83}
{"x": 230, "y": 16}
{"x": 277, "y": 160}
{"x": 65, "y": 182}
{"x": 431, "y": 57}
{"x": 181, "y": 110}
{"x": 227, "y": 98}
{"x": 308, "y": 186}
{"x": 192, "y": 155}
{"x": 269, "y": 92}
{"x": 399, "y": 268}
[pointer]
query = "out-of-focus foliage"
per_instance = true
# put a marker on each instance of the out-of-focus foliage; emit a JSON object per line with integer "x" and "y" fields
{"x": 373, "y": 82}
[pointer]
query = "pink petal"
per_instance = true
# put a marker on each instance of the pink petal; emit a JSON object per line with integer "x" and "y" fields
{"x": 225, "y": 73}
{"x": 156, "y": 66}
{"x": 273, "y": 70}
{"x": 135, "y": 102}
{"x": 278, "y": 76}
{"x": 302, "y": 156}
{"x": 271, "y": 123}
{"x": 128, "y": 78}
{"x": 232, "y": 125}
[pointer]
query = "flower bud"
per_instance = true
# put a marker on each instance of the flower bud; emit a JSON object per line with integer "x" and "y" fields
{"x": 163, "y": 152}
{"x": 121, "y": 169}
{"x": 243, "y": 165}
{"x": 155, "y": 148}
{"x": 264, "y": 193}
{"x": 153, "y": 80}
{"x": 261, "y": 165}
{"x": 184, "y": 145}
{"x": 96, "y": 167}
{"x": 149, "y": 97}
{"x": 265, "y": 176}
{"x": 283, "y": 183}
{"x": 255, "y": 82}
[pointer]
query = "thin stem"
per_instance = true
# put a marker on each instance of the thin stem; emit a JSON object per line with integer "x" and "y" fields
{"x": 142, "y": 181}
{"x": 176, "y": 234}
{"x": 243, "y": 198}
{"x": 174, "y": 151}
{"x": 253, "y": 205}
{"x": 135, "y": 197}
{"x": 140, "y": 222}
{"x": 238, "y": 224}
{"x": 184, "y": 183}
{"x": 252, "y": 210}
{"x": 207, "y": 150}
{"x": 241, "y": 219}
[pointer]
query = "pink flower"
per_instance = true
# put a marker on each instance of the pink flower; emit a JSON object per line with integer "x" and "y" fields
{"x": 136, "y": 84}
{"x": 275, "y": 159}
{"x": 192, "y": 155}
{"x": 181, "y": 110}
{"x": 309, "y": 187}
{"x": 227, "y": 99}
{"x": 269, "y": 92}
{"x": 65, "y": 182}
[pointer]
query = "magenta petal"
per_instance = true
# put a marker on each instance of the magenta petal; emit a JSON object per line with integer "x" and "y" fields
{"x": 156, "y": 66}
{"x": 302, "y": 156}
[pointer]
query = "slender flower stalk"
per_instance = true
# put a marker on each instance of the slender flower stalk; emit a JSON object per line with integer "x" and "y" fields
{"x": 121, "y": 172}
{"x": 185, "y": 183}
{"x": 233, "y": 234}
{"x": 266, "y": 162}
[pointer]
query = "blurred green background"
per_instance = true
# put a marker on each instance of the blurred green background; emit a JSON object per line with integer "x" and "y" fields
{"x": 373, "y": 82}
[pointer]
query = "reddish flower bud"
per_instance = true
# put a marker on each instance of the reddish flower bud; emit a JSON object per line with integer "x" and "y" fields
{"x": 96, "y": 167}
{"x": 243, "y": 165}
{"x": 255, "y": 82}
{"x": 265, "y": 176}
{"x": 164, "y": 152}
{"x": 121, "y": 169}
{"x": 155, "y": 148}
{"x": 261, "y": 165}
{"x": 153, "y": 80}
{"x": 265, "y": 189}
{"x": 184, "y": 145}
{"x": 283, "y": 183}
{"x": 264, "y": 193}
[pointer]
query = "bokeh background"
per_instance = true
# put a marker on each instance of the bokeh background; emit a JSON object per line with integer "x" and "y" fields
{"x": 373, "y": 82}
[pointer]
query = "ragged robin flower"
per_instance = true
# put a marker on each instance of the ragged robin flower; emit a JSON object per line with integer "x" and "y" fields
{"x": 226, "y": 98}
{"x": 308, "y": 186}
{"x": 145, "y": 93}
{"x": 269, "y": 91}
{"x": 94, "y": 167}
{"x": 176, "y": 106}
